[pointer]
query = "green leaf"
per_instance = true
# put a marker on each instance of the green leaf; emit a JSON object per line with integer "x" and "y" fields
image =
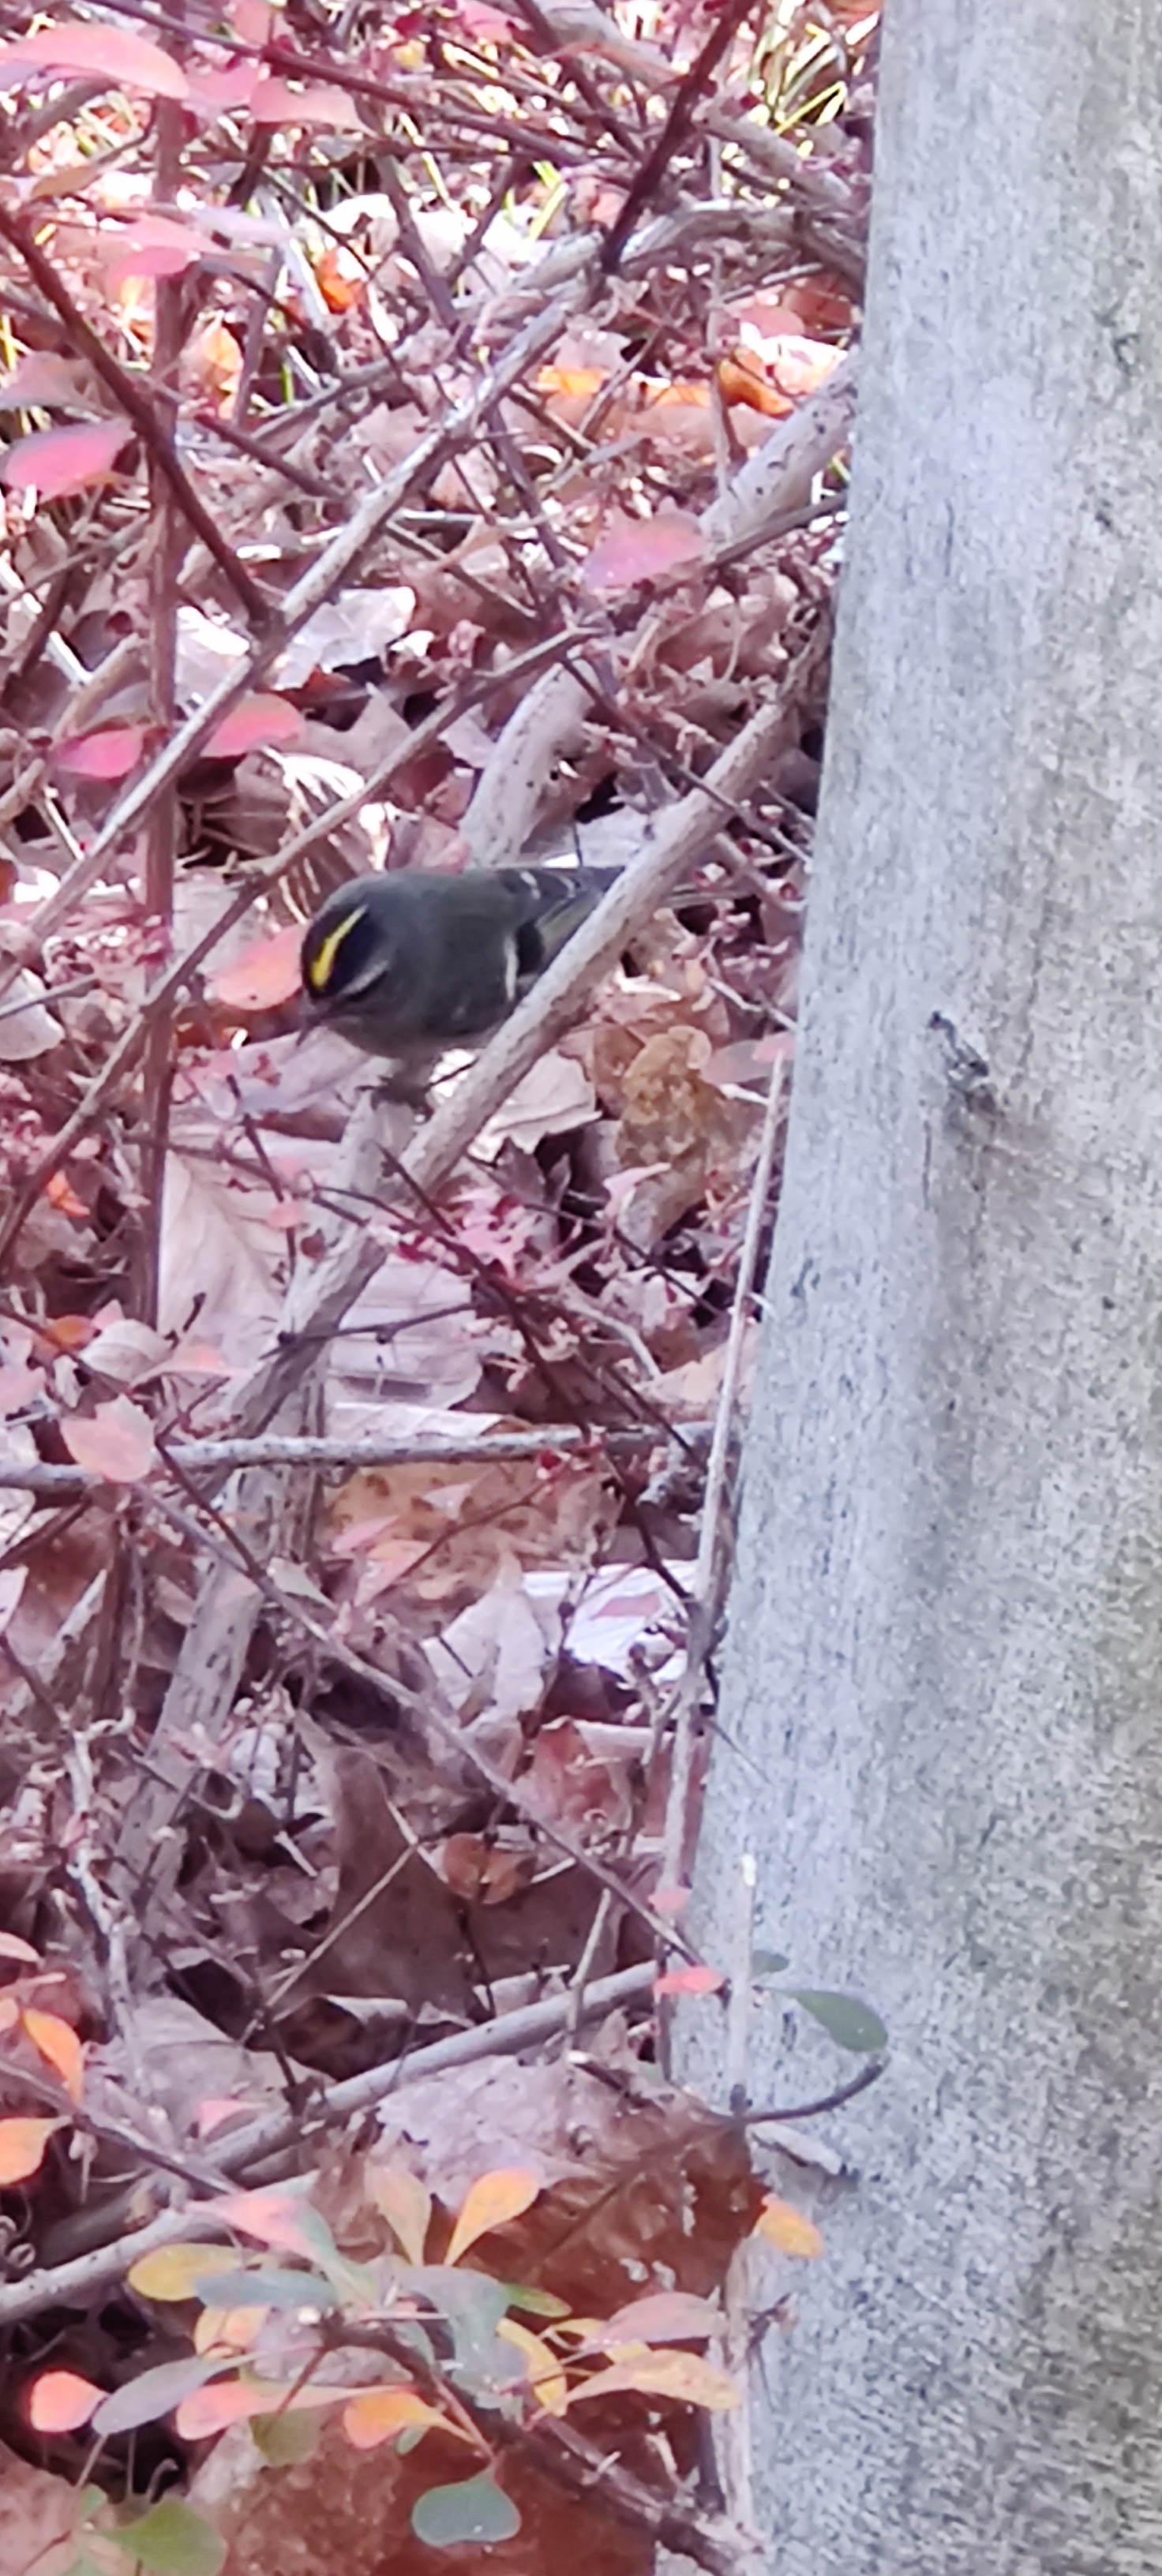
{"x": 850, "y": 2024}
{"x": 472, "y": 2304}
{"x": 476, "y": 2513}
{"x": 536, "y": 2303}
{"x": 173, "y": 2540}
{"x": 767, "y": 1963}
{"x": 286, "y": 2439}
{"x": 267, "y": 2289}
{"x": 153, "y": 2393}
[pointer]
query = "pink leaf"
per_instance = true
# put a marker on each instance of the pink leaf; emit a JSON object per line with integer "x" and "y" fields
{"x": 222, "y": 93}
{"x": 154, "y": 246}
{"x": 110, "y": 753}
{"x": 690, "y": 1981}
{"x": 255, "y": 722}
{"x": 41, "y": 379}
{"x": 114, "y": 54}
{"x": 273, "y": 103}
{"x": 639, "y": 549}
{"x": 210, "y": 2410}
{"x": 54, "y": 462}
{"x": 115, "y": 1442}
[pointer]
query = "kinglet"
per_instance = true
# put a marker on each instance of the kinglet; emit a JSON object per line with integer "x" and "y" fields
{"x": 409, "y": 965}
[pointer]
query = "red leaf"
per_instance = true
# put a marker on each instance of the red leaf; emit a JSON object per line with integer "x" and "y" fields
{"x": 113, "y": 53}
{"x": 265, "y": 974}
{"x": 111, "y": 753}
{"x": 253, "y": 723}
{"x": 117, "y": 1442}
{"x": 54, "y": 462}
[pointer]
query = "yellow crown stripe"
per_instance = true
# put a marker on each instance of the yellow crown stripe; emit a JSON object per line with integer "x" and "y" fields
{"x": 319, "y": 969}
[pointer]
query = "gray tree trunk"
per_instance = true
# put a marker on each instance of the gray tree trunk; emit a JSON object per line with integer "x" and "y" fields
{"x": 945, "y": 1652}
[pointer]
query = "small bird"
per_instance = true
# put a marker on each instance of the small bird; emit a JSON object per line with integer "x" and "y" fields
{"x": 407, "y": 966}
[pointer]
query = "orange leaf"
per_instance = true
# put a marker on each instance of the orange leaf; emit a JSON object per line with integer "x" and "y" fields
{"x": 490, "y": 2203}
{"x": 378, "y": 2414}
{"x": 786, "y": 2227}
{"x": 22, "y": 2146}
{"x": 742, "y": 379}
{"x": 60, "y": 2400}
{"x": 60, "y": 1193}
{"x": 229, "y": 2329}
{"x": 58, "y": 2042}
{"x": 401, "y": 2198}
{"x": 546, "y": 2378}
{"x": 117, "y": 1442}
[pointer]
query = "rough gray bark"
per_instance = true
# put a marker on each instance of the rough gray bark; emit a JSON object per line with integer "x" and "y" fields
{"x": 946, "y": 1644}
